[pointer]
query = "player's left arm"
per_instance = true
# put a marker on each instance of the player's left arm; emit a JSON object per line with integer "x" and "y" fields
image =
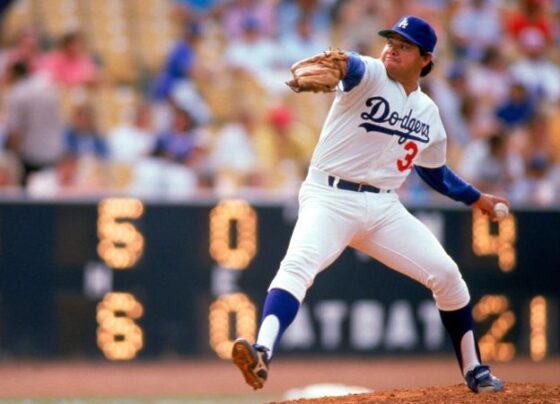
{"x": 446, "y": 182}
{"x": 356, "y": 69}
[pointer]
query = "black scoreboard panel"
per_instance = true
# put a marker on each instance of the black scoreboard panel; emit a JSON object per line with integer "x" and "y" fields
{"x": 122, "y": 278}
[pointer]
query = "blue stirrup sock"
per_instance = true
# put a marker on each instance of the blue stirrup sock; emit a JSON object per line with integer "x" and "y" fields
{"x": 280, "y": 309}
{"x": 460, "y": 327}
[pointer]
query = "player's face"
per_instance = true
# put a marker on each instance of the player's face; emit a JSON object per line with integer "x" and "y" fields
{"x": 402, "y": 58}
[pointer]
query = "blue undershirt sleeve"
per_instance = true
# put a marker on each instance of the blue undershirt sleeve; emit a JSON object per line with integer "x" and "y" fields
{"x": 354, "y": 73}
{"x": 446, "y": 182}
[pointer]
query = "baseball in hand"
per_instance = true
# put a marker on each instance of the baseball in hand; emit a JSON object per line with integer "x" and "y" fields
{"x": 501, "y": 210}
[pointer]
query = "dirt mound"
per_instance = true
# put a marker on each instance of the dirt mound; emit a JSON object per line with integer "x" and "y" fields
{"x": 526, "y": 393}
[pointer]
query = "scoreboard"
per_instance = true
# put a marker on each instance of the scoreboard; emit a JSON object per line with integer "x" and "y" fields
{"x": 122, "y": 278}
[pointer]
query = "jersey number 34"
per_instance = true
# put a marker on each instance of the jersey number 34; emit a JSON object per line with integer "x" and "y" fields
{"x": 412, "y": 151}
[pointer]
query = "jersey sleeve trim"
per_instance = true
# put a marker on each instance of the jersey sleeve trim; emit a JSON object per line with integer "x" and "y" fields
{"x": 354, "y": 73}
{"x": 446, "y": 182}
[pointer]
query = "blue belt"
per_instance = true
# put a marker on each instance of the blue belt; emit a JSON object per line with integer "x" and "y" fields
{"x": 354, "y": 186}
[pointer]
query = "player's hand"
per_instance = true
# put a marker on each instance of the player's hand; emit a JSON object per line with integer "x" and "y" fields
{"x": 486, "y": 204}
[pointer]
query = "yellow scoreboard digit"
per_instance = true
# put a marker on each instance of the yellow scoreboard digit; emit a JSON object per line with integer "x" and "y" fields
{"x": 120, "y": 246}
{"x": 233, "y": 245}
{"x": 238, "y": 305}
{"x": 502, "y": 244}
{"x": 118, "y": 336}
{"x": 243, "y": 218}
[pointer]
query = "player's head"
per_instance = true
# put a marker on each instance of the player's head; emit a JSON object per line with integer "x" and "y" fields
{"x": 421, "y": 38}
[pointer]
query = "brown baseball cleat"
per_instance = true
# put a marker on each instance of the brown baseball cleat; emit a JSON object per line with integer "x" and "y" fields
{"x": 252, "y": 360}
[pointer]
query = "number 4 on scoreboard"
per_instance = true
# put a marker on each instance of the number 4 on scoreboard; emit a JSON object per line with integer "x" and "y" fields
{"x": 501, "y": 244}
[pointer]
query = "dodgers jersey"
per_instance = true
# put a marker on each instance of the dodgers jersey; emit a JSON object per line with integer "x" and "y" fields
{"x": 374, "y": 133}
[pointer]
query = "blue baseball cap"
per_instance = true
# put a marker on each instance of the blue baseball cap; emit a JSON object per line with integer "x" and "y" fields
{"x": 416, "y": 30}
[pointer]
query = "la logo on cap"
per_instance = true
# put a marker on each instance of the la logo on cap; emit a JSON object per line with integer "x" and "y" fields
{"x": 414, "y": 29}
{"x": 404, "y": 23}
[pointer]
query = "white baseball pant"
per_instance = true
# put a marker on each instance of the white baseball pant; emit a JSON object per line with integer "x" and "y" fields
{"x": 330, "y": 219}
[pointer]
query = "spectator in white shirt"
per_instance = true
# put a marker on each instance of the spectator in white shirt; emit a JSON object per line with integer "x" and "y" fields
{"x": 538, "y": 73}
{"x": 257, "y": 56}
{"x": 33, "y": 119}
{"x": 302, "y": 43}
{"x": 133, "y": 140}
{"x": 476, "y": 26}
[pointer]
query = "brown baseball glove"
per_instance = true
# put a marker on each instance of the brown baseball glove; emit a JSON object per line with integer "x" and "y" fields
{"x": 319, "y": 73}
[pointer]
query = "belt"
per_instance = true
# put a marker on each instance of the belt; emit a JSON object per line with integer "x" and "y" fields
{"x": 339, "y": 183}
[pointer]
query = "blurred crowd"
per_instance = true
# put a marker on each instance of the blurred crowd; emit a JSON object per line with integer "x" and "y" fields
{"x": 207, "y": 111}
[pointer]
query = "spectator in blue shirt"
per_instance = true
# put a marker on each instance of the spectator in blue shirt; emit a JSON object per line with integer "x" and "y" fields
{"x": 179, "y": 64}
{"x": 82, "y": 137}
{"x": 519, "y": 107}
{"x": 179, "y": 143}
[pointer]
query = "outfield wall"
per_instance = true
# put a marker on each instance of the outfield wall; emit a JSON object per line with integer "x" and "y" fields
{"x": 126, "y": 279}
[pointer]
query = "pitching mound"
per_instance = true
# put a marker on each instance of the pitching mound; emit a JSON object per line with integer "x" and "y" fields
{"x": 513, "y": 393}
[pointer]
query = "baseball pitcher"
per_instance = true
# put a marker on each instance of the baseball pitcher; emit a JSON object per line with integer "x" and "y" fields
{"x": 380, "y": 127}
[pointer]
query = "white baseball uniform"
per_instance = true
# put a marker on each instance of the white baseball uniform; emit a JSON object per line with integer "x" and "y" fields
{"x": 373, "y": 135}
